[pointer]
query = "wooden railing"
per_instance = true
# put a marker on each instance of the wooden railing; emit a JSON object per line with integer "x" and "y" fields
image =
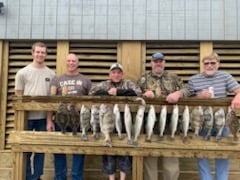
{"x": 56, "y": 142}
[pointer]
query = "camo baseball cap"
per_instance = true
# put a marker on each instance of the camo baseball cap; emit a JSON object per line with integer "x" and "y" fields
{"x": 157, "y": 56}
{"x": 116, "y": 66}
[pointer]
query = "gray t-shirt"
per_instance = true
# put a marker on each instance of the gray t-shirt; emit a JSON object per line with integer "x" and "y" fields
{"x": 70, "y": 85}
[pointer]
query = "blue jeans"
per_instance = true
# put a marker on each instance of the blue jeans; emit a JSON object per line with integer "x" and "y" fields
{"x": 221, "y": 165}
{"x": 38, "y": 159}
{"x": 60, "y": 164}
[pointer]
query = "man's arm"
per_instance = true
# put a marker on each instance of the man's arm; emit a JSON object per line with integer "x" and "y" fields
{"x": 236, "y": 100}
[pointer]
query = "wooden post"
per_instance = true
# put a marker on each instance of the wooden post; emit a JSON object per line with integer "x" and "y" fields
{"x": 4, "y": 51}
{"x": 131, "y": 59}
{"x": 62, "y": 52}
{"x": 19, "y": 164}
{"x": 205, "y": 49}
{"x": 137, "y": 168}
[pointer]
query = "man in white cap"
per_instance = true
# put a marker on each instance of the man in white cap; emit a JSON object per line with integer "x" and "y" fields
{"x": 116, "y": 86}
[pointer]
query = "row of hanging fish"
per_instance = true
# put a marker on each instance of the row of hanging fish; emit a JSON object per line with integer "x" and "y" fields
{"x": 106, "y": 120}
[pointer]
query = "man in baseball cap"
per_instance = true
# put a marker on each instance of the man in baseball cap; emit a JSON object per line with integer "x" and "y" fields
{"x": 116, "y": 66}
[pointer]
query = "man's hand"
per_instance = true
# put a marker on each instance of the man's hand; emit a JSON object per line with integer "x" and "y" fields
{"x": 174, "y": 97}
{"x": 112, "y": 91}
{"x": 149, "y": 94}
{"x": 204, "y": 94}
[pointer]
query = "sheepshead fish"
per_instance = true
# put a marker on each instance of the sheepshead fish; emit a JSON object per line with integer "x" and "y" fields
{"x": 174, "y": 120}
{"x": 208, "y": 121}
{"x": 62, "y": 117}
{"x": 219, "y": 123}
{"x": 117, "y": 120}
{"x": 151, "y": 119}
{"x": 139, "y": 120}
{"x": 197, "y": 119}
{"x": 106, "y": 123}
{"x": 85, "y": 117}
{"x": 162, "y": 121}
{"x": 233, "y": 124}
{"x": 94, "y": 121}
{"x": 128, "y": 123}
{"x": 74, "y": 122}
{"x": 185, "y": 123}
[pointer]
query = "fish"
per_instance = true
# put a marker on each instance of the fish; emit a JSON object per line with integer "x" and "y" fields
{"x": 162, "y": 121}
{"x": 85, "y": 116}
{"x": 118, "y": 121}
{"x": 62, "y": 117}
{"x": 197, "y": 120}
{"x": 174, "y": 120}
{"x": 208, "y": 121}
{"x": 74, "y": 122}
{"x": 95, "y": 122}
{"x": 106, "y": 123}
{"x": 139, "y": 120}
{"x": 185, "y": 123}
{"x": 128, "y": 123}
{"x": 151, "y": 119}
{"x": 233, "y": 124}
{"x": 219, "y": 122}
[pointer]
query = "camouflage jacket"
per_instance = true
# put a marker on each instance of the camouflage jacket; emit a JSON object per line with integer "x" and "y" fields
{"x": 164, "y": 85}
{"x": 123, "y": 85}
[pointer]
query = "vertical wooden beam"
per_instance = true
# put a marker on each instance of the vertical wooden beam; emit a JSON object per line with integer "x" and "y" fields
{"x": 4, "y": 90}
{"x": 143, "y": 57}
{"x": 62, "y": 52}
{"x": 131, "y": 59}
{"x": 2, "y": 124}
{"x": 137, "y": 170}
{"x": 19, "y": 158}
{"x": 205, "y": 49}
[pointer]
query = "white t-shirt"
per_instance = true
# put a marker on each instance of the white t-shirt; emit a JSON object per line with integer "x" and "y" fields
{"x": 34, "y": 82}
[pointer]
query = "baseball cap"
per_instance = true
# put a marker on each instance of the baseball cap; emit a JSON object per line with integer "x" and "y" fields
{"x": 157, "y": 56}
{"x": 115, "y": 66}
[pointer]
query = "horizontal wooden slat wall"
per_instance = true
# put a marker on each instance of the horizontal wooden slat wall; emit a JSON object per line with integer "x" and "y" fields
{"x": 18, "y": 57}
{"x": 95, "y": 57}
{"x": 229, "y": 53}
{"x": 182, "y": 58}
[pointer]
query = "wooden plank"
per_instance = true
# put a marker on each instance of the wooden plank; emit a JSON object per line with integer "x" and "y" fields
{"x": 62, "y": 52}
{"x": 131, "y": 60}
{"x": 137, "y": 164}
{"x": 51, "y": 102}
{"x": 56, "y": 142}
{"x": 4, "y": 90}
{"x": 19, "y": 166}
{"x": 205, "y": 49}
{"x": 98, "y": 50}
{"x": 28, "y": 57}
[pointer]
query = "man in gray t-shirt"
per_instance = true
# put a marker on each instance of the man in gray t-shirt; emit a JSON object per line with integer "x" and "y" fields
{"x": 72, "y": 83}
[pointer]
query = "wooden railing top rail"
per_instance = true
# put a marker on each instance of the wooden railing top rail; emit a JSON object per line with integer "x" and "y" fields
{"x": 29, "y": 103}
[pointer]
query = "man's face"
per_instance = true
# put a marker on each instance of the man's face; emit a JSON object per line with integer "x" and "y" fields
{"x": 39, "y": 54}
{"x": 210, "y": 66}
{"x": 72, "y": 63}
{"x": 158, "y": 66}
{"x": 116, "y": 75}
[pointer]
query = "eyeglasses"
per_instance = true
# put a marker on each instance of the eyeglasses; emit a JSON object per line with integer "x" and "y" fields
{"x": 207, "y": 63}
